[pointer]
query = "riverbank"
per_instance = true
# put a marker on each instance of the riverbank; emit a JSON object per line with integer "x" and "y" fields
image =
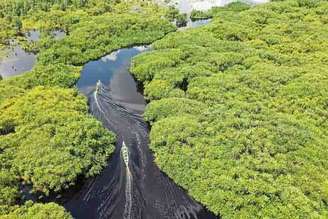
{"x": 57, "y": 71}
{"x": 129, "y": 188}
{"x": 187, "y": 6}
{"x": 236, "y": 109}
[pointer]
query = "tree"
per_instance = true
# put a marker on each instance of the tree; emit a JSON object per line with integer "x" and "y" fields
{"x": 249, "y": 137}
{"x": 181, "y": 20}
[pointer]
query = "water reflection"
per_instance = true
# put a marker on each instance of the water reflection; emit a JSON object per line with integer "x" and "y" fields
{"x": 194, "y": 24}
{"x": 138, "y": 189}
{"x": 113, "y": 70}
{"x": 16, "y": 62}
{"x": 58, "y": 34}
{"x": 33, "y": 36}
{"x": 186, "y": 6}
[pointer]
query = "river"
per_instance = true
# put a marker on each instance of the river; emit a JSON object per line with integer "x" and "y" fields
{"x": 131, "y": 186}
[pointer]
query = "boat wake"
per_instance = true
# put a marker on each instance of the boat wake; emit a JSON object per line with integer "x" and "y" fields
{"x": 131, "y": 186}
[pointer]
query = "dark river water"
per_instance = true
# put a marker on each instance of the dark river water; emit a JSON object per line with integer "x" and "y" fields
{"x": 131, "y": 186}
{"x": 112, "y": 71}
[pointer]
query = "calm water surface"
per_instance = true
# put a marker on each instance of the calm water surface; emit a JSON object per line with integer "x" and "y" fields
{"x": 58, "y": 34}
{"x": 131, "y": 186}
{"x": 17, "y": 61}
{"x": 113, "y": 71}
{"x": 186, "y": 6}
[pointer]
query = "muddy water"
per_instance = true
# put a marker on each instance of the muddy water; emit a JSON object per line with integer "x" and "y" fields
{"x": 131, "y": 186}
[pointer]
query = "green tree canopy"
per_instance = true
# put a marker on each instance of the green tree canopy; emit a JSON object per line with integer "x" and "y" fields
{"x": 248, "y": 138}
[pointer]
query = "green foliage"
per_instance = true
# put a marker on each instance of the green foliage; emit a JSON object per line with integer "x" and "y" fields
{"x": 236, "y": 6}
{"x": 165, "y": 58}
{"x": 46, "y": 75}
{"x": 199, "y": 15}
{"x": 23, "y": 7}
{"x": 181, "y": 20}
{"x": 38, "y": 211}
{"x": 18, "y": 24}
{"x": 47, "y": 138}
{"x": 52, "y": 141}
{"x": 172, "y": 13}
{"x": 175, "y": 131}
{"x": 168, "y": 107}
{"x": 157, "y": 89}
{"x": 9, "y": 91}
{"x": 93, "y": 38}
{"x": 249, "y": 137}
{"x": 8, "y": 187}
{"x": 7, "y": 31}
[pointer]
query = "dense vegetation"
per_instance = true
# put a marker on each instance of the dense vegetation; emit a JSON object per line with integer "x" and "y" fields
{"x": 39, "y": 211}
{"x": 47, "y": 138}
{"x": 50, "y": 139}
{"x": 239, "y": 109}
{"x": 199, "y": 15}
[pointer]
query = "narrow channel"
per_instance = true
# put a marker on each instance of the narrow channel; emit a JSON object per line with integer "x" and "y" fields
{"x": 131, "y": 186}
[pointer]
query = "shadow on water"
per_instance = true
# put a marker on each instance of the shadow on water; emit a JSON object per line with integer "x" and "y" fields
{"x": 113, "y": 71}
{"x": 131, "y": 186}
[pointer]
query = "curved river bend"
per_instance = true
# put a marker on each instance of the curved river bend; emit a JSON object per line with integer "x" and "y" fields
{"x": 131, "y": 186}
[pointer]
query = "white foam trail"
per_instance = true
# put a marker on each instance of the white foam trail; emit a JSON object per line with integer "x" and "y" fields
{"x": 97, "y": 103}
{"x": 128, "y": 185}
{"x": 95, "y": 96}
